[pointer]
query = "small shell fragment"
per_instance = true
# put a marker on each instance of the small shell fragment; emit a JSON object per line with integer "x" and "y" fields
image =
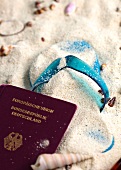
{"x": 70, "y": 8}
{"x": 118, "y": 9}
{"x": 5, "y": 50}
{"x": 103, "y": 66}
{"x": 100, "y": 91}
{"x": 102, "y": 100}
{"x": 112, "y": 102}
{"x": 37, "y": 4}
{"x": 38, "y": 11}
{"x": 29, "y": 24}
{"x": 52, "y": 6}
{"x": 57, "y": 1}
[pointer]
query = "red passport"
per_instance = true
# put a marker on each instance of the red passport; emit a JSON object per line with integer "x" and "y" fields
{"x": 30, "y": 124}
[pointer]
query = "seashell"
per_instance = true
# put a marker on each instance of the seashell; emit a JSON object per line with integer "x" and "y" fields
{"x": 103, "y": 66}
{"x": 70, "y": 8}
{"x": 4, "y": 51}
{"x": 112, "y": 102}
{"x": 52, "y": 161}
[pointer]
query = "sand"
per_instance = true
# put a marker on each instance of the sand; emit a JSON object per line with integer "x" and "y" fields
{"x": 95, "y": 21}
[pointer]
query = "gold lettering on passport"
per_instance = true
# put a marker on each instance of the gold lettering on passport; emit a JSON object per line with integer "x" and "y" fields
{"x": 32, "y": 105}
{"x": 29, "y": 115}
{"x": 27, "y": 112}
{"x": 13, "y": 141}
{"x": 26, "y": 117}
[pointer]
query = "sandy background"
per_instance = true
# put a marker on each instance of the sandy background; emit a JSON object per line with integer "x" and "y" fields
{"x": 95, "y": 21}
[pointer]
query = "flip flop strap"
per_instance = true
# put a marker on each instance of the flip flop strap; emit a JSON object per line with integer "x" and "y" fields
{"x": 74, "y": 63}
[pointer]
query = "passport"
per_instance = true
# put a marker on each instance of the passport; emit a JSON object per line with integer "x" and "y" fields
{"x": 30, "y": 124}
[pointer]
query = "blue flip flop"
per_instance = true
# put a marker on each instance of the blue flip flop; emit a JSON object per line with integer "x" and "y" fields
{"x": 74, "y": 63}
{"x": 75, "y": 59}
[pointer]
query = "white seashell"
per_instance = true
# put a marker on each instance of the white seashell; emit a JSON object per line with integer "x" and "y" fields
{"x": 52, "y": 161}
{"x": 70, "y": 8}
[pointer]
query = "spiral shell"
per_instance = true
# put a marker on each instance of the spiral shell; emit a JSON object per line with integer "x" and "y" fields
{"x": 52, "y": 161}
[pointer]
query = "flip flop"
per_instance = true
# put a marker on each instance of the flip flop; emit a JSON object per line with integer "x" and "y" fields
{"x": 70, "y": 59}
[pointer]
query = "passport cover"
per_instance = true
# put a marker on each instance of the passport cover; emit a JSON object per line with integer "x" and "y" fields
{"x": 30, "y": 124}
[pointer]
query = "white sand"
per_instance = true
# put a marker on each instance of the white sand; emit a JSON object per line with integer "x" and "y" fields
{"x": 95, "y": 21}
